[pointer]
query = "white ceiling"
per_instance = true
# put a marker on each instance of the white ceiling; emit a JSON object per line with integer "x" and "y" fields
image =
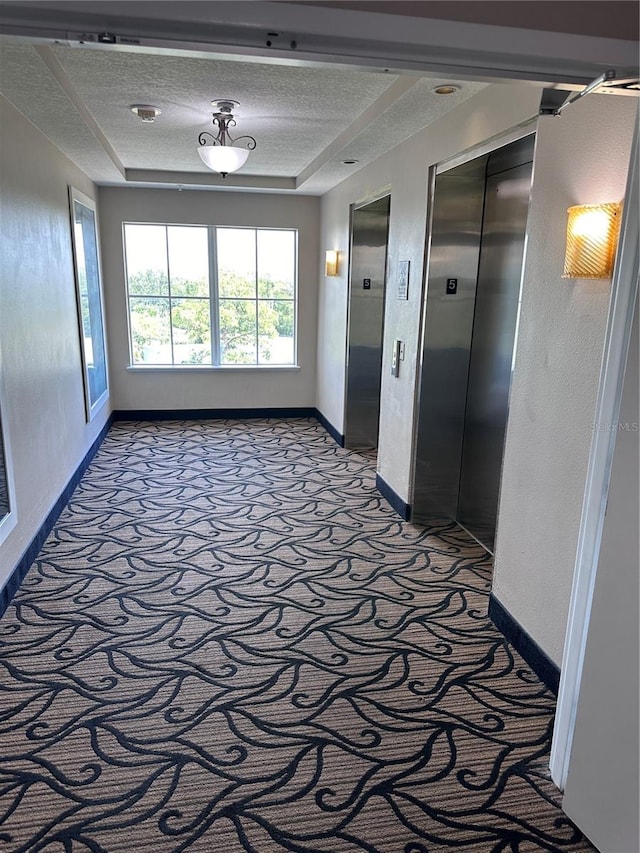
{"x": 307, "y": 112}
{"x": 306, "y": 120}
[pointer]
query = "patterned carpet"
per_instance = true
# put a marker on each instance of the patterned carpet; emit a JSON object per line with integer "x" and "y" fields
{"x": 231, "y": 643}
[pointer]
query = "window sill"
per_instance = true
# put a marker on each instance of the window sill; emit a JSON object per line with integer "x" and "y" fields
{"x": 208, "y": 368}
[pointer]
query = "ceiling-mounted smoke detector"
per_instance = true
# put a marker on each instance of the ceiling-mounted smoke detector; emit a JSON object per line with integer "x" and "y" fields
{"x": 145, "y": 112}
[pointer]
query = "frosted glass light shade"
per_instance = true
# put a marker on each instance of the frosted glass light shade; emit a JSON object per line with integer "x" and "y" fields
{"x": 331, "y": 262}
{"x": 592, "y": 237}
{"x": 223, "y": 158}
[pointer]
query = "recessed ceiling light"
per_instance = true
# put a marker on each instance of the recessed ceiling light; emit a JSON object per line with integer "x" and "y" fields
{"x": 446, "y": 90}
{"x": 349, "y": 162}
{"x": 145, "y": 112}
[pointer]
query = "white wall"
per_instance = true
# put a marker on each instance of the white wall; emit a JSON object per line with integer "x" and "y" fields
{"x": 403, "y": 170}
{"x": 43, "y": 403}
{"x": 582, "y": 157}
{"x": 212, "y": 388}
{"x": 601, "y": 793}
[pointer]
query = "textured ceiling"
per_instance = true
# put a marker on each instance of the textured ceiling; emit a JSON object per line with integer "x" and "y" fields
{"x": 305, "y": 119}
{"x": 281, "y": 106}
{"x": 409, "y": 114}
{"x": 26, "y": 81}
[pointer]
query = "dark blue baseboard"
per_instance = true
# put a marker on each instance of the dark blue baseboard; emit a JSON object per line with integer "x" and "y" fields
{"x": 218, "y": 414}
{"x": 333, "y": 432}
{"x": 403, "y": 509}
{"x": 24, "y": 563}
{"x": 543, "y": 666}
{"x": 212, "y": 414}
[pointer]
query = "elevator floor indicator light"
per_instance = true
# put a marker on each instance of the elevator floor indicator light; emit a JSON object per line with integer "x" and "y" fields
{"x": 366, "y": 284}
{"x": 452, "y": 286}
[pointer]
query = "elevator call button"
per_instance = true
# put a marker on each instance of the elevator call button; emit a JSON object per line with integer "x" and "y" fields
{"x": 452, "y": 286}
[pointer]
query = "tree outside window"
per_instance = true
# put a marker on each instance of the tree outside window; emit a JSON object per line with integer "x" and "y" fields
{"x": 181, "y": 312}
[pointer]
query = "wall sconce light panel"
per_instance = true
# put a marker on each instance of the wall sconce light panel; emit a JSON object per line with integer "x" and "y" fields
{"x": 592, "y": 238}
{"x": 331, "y": 262}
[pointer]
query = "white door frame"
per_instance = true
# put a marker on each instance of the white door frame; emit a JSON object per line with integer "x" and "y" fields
{"x": 624, "y": 288}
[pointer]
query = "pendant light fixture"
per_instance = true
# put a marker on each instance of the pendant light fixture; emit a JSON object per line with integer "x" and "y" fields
{"x": 221, "y": 152}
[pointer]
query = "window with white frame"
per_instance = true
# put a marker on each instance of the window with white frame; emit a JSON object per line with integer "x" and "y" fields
{"x": 203, "y": 295}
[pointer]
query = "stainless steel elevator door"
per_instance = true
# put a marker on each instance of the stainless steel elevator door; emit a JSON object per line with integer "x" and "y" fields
{"x": 369, "y": 233}
{"x": 456, "y": 225}
{"x": 492, "y": 343}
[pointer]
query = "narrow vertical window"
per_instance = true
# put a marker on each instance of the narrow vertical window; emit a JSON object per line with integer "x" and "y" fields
{"x": 276, "y": 265}
{"x": 188, "y": 253}
{"x": 237, "y": 319}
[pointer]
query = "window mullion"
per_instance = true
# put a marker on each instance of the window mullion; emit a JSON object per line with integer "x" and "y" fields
{"x": 166, "y": 239}
{"x": 214, "y": 311}
{"x": 257, "y": 315}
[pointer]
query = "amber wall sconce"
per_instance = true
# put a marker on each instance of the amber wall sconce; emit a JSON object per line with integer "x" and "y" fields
{"x": 592, "y": 239}
{"x": 331, "y": 262}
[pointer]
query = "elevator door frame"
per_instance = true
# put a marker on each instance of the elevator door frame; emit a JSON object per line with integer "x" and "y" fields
{"x": 485, "y": 148}
{"x": 384, "y": 194}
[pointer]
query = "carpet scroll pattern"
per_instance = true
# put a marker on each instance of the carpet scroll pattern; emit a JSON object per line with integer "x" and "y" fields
{"x": 230, "y": 642}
